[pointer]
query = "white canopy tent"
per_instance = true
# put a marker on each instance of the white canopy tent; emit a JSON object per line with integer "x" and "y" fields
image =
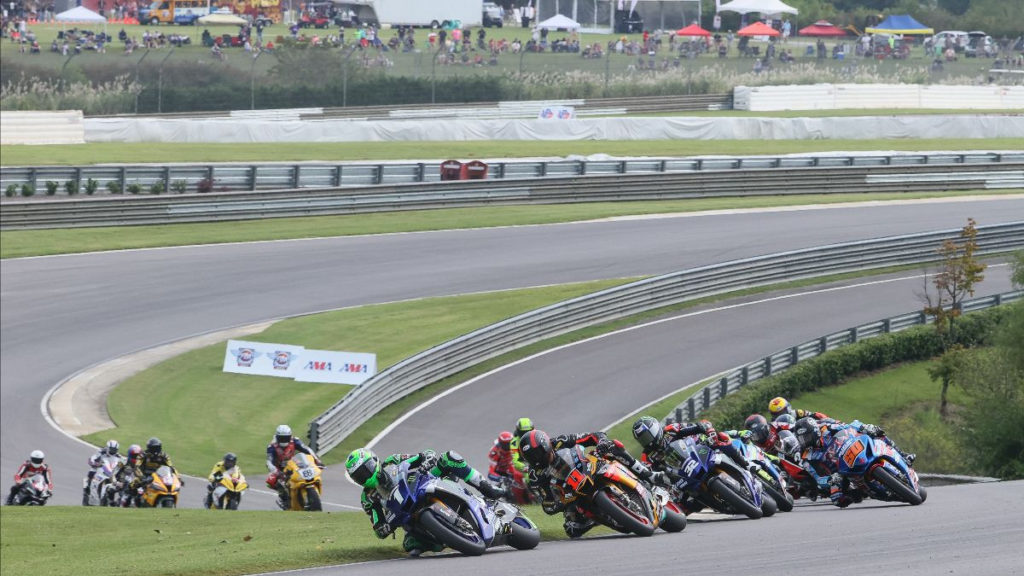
{"x": 81, "y": 14}
{"x": 599, "y": 15}
{"x": 557, "y": 22}
{"x": 759, "y": 6}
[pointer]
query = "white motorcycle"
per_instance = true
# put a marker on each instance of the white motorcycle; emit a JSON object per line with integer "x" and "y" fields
{"x": 102, "y": 489}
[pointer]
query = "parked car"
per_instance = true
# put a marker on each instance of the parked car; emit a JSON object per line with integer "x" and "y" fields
{"x": 959, "y": 39}
{"x": 492, "y": 15}
{"x": 981, "y": 45}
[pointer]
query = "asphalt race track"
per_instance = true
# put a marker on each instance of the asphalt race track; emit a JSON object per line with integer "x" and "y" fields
{"x": 966, "y": 529}
{"x": 60, "y": 315}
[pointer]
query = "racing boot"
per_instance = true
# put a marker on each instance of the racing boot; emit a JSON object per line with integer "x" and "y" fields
{"x": 576, "y": 524}
{"x": 283, "y": 500}
{"x": 416, "y": 546}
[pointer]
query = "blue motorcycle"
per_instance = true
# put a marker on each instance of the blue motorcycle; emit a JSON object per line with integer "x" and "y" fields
{"x": 714, "y": 480}
{"x": 873, "y": 466}
{"x": 773, "y": 482}
{"x": 447, "y": 513}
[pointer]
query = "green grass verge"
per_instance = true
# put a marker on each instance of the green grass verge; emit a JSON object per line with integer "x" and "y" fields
{"x": 75, "y": 541}
{"x": 201, "y": 412}
{"x": 161, "y": 152}
{"x": 20, "y": 243}
{"x": 905, "y": 401}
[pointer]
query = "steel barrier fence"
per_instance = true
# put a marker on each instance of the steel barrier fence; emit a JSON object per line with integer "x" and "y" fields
{"x": 571, "y": 183}
{"x": 449, "y": 358}
{"x": 736, "y": 379}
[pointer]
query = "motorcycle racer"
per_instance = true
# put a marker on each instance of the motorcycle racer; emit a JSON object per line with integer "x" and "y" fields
{"x": 279, "y": 452}
{"x": 126, "y": 476}
{"x": 95, "y": 461}
{"x": 779, "y": 406}
{"x": 218, "y": 471}
{"x": 501, "y": 457}
{"x": 29, "y": 468}
{"x": 153, "y": 458}
{"x": 523, "y": 426}
{"x": 367, "y": 470}
{"x": 538, "y": 451}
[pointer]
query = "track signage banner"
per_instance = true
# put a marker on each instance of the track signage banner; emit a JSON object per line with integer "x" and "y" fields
{"x": 261, "y": 358}
{"x": 286, "y": 361}
{"x": 336, "y": 367}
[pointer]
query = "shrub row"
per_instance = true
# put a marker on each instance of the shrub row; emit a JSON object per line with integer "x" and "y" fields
{"x": 831, "y": 368}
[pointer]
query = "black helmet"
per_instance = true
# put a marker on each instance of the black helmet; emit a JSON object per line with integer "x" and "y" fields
{"x": 535, "y": 448}
{"x": 154, "y": 446}
{"x": 230, "y": 460}
{"x": 648, "y": 431}
{"x": 807, "y": 433}
{"x": 758, "y": 426}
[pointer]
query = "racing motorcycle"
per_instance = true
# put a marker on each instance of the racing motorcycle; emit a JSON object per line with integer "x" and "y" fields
{"x": 162, "y": 490}
{"x": 714, "y": 480}
{"x": 102, "y": 489}
{"x": 452, "y": 516}
{"x": 773, "y": 481}
{"x": 874, "y": 467}
{"x": 514, "y": 485}
{"x": 608, "y": 492}
{"x": 304, "y": 483}
{"x": 32, "y": 492}
{"x": 227, "y": 495}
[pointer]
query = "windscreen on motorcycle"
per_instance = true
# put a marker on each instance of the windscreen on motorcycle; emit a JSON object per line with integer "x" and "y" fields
{"x": 567, "y": 460}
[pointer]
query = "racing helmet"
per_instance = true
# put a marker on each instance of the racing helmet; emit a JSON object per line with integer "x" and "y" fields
{"x": 758, "y": 426}
{"x": 283, "y": 434}
{"x": 36, "y": 457}
{"x": 112, "y": 447}
{"x": 363, "y": 467}
{"x": 154, "y": 446}
{"x": 785, "y": 422}
{"x": 535, "y": 448}
{"x": 505, "y": 440}
{"x": 523, "y": 425}
{"x": 807, "y": 433}
{"x": 134, "y": 451}
{"x": 779, "y": 406}
{"x": 648, "y": 431}
{"x": 230, "y": 460}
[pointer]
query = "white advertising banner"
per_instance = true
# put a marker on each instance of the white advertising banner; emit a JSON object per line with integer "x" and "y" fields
{"x": 336, "y": 367}
{"x": 262, "y": 358}
{"x": 557, "y": 113}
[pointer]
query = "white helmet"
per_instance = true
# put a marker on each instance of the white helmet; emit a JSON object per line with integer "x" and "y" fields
{"x": 37, "y": 457}
{"x": 283, "y": 435}
{"x": 112, "y": 447}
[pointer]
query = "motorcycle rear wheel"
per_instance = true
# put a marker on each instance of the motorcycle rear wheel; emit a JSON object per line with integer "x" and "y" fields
{"x": 313, "y": 500}
{"x": 904, "y": 492}
{"x": 736, "y": 501}
{"x": 768, "y": 506}
{"x": 524, "y": 535}
{"x": 618, "y": 511}
{"x": 673, "y": 521}
{"x": 783, "y": 500}
{"x": 450, "y": 538}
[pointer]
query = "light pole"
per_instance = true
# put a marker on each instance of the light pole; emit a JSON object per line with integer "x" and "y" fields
{"x": 344, "y": 75}
{"x": 252, "y": 81}
{"x": 433, "y": 73}
{"x": 160, "y": 84}
{"x": 137, "y": 79}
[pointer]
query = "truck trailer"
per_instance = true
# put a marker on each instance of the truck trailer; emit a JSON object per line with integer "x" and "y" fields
{"x": 421, "y": 13}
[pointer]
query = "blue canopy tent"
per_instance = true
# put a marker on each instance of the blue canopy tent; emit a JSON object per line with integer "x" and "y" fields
{"x": 899, "y": 24}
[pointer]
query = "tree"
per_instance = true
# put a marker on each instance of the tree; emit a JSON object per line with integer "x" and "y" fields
{"x": 959, "y": 272}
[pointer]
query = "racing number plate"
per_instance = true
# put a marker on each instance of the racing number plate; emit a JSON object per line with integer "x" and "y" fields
{"x": 307, "y": 473}
{"x": 850, "y": 456}
{"x": 575, "y": 479}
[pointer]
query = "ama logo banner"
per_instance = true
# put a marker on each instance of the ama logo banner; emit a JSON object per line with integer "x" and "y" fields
{"x": 336, "y": 367}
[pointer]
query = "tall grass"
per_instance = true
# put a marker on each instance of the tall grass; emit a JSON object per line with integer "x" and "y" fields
{"x": 33, "y": 93}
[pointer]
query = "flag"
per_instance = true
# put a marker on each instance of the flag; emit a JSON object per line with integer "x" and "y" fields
{"x": 632, "y": 6}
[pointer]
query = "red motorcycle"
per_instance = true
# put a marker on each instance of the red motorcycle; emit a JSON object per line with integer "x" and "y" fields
{"x": 514, "y": 484}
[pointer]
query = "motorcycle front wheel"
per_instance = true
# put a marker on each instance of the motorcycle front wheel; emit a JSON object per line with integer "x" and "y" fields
{"x": 233, "y": 501}
{"x": 897, "y": 486}
{"x": 313, "y": 500}
{"x": 674, "y": 520}
{"x": 449, "y": 537}
{"x": 525, "y": 535}
{"x": 735, "y": 500}
{"x": 783, "y": 500}
{"x": 622, "y": 514}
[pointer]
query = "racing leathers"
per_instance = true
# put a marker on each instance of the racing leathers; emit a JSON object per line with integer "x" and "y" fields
{"x": 95, "y": 462}
{"x": 449, "y": 465}
{"x": 542, "y": 483}
{"x": 277, "y": 458}
{"x": 218, "y": 472}
{"x": 821, "y": 461}
{"x": 148, "y": 464}
{"x": 501, "y": 457}
{"x": 26, "y": 471}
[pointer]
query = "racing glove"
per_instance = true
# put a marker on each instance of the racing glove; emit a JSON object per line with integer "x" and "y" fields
{"x": 491, "y": 491}
{"x": 872, "y": 430}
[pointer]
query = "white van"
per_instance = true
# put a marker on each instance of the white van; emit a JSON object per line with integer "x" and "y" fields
{"x": 958, "y": 37}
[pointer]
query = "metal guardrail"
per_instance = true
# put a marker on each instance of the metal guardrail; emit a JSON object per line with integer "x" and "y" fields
{"x": 737, "y": 379}
{"x": 449, "y": 358}
{"x": 175, "y": 179}
{"x": 571, "y": 182}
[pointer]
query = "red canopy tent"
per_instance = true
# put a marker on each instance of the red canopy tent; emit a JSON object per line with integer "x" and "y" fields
{"x": 693, "y": 30}
{"x": 822, "y": 28}
{"x": 758, "y": 29}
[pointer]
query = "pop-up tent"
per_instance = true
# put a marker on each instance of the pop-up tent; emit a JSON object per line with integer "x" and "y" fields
{"x": 758, "y": 29}
{"x": 899, "y": 24}
{"x": 223, "y": 18}
{"x": 693, "y": 30}
{"x": 559, "y": 22}
{"x": 759, "y": 6}
{"x": 822, "y": 28}
{"x": 81, "y": 14}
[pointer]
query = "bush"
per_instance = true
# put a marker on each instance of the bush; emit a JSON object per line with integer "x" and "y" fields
{"x": 51, "y": 187}
{"x": 11, "y": 190}
{"x": 71, "y": 187}
{"x": 918, "y": 343}
{"x": 157, "y": 187}
{"x": 91, "y": 186}
{"x": 114, "y": 187}
{"x": 179, "y": 186}
{"x": 134, "y": 188}
{"x": 28, "y": 190}
{"x": 205, "y": 185}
